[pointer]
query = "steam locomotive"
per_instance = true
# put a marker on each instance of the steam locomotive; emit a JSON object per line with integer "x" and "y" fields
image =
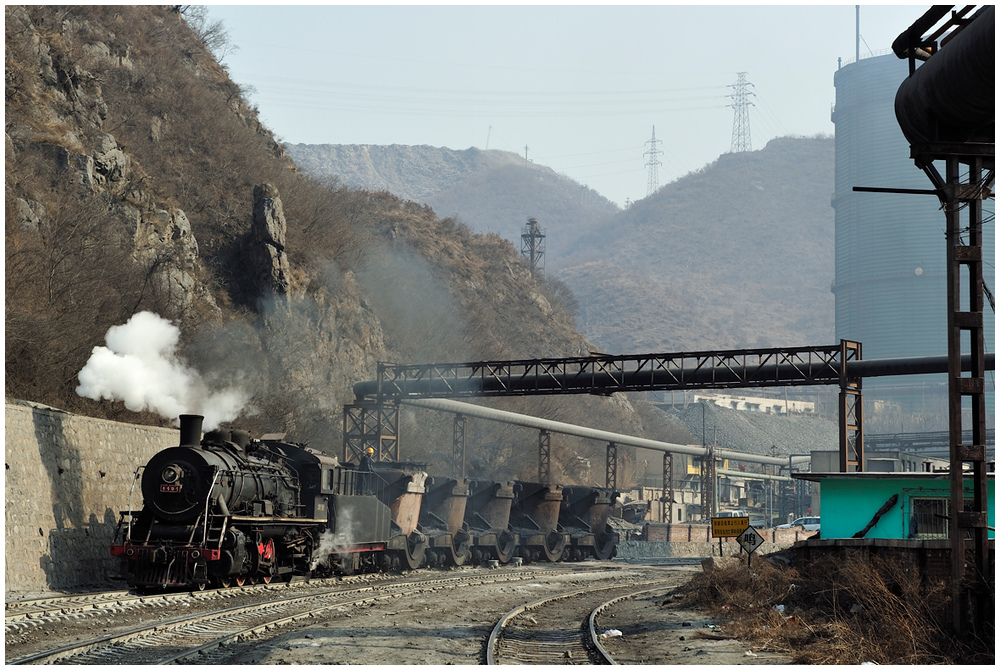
{"x": 228, "y": 509}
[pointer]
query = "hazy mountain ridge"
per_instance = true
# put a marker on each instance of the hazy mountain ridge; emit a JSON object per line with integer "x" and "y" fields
{"x": 745, "y": 246}
{"x": 488, "y": 190}
{"x": 737, "y": 254}
{"x": 409, "y": 172}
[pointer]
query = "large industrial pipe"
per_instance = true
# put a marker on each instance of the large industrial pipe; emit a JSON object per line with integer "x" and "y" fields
{"x": 950, "y": 98}
{"x": 753, "y": 475}
{"x": 490, "y": 414}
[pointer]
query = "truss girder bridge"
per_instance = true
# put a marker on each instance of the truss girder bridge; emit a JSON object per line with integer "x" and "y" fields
{"x": 604, "y": 375}
{"x": 372, "y": 420}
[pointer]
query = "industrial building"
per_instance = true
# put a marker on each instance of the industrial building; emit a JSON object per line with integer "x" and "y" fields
{"x": 890, "y": 280}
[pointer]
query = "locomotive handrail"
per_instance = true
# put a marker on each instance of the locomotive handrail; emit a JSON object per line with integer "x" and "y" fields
{"x": 208, "y": 499}
{"x": 131, "y": 490}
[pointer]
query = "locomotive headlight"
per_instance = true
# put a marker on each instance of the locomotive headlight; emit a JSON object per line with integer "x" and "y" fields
{"x": 171, "y": 474}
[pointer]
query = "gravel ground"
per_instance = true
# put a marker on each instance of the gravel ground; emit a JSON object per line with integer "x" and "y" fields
{"x": 451, "y": 630}
{"x": 446, "y": 626}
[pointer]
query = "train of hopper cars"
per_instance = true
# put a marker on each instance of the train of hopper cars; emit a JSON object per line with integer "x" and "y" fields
{"x": 228, "y": 509}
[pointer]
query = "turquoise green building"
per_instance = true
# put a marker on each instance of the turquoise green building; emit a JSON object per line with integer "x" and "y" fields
{"x": 849, "y": 501}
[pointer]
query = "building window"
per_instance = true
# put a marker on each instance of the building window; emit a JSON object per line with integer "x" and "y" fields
{"x": 928, "y": 519}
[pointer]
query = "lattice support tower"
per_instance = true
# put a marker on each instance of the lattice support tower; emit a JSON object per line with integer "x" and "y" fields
{"x": 667, "y": 497}
{"x": 533, "y": 246}
{"x": 653, "y": 165}
{"x": 371, "y": 424}
{"x": 611, "y": 466}
{"x": 458, "y": 447}
{"x": 852, "y": 412}
{"x": 967, "y": 393}
{"x": 544, "y": 457}
{"x": 947, "y": 109}
{"x": 741, "y": 113}
{"x": 708, "y": 484}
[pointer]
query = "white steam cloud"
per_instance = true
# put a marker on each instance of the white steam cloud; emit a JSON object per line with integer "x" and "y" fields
{"x": 140, "y": 366}
{"x": 334, "y": 542}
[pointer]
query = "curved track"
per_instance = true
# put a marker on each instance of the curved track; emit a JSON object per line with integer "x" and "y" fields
{"x": 558, "y": 630}
{"x": 193, "y": 637}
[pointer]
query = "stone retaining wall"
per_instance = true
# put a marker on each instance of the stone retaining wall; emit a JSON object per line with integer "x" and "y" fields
{"x": 66, "y": 479}
{"x": 641, "y": 549}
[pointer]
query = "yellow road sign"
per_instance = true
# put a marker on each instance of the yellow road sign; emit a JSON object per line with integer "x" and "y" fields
{"x": 731, "y": 526}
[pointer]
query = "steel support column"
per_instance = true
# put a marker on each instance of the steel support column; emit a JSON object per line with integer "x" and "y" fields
{"x": 946, "y": 109}
{"x": 667, "y": 498}
{"x": 713, "y": 481}
{"x": 458, "y": 448}
{"x": 544, "y": 457}
{"x": 852, "y": 412}
{"x": 371, "y": 424}
{"x": 611, "y": 466}
{"x": 967, "y": 394}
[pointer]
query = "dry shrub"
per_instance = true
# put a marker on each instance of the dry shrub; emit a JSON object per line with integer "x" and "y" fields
{"x": 836, "y": 611}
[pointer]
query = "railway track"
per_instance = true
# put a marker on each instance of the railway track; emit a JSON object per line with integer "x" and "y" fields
{"x": 24, "y": 610}
{"x": 24, "y": 615}
{"x": 560, "y": 629}
{"x": 200, "y": 637}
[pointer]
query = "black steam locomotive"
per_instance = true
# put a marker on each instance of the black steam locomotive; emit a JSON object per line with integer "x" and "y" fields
{"x": 228, "y": 509}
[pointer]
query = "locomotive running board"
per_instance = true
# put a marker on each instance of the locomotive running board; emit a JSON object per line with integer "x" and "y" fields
{"x": 270, "y": 519}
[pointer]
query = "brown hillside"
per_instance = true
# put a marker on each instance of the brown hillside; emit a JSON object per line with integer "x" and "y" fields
{"x": 739, "y": 254}
{"x": 490, "y": 191}
{"x": 134, "y": 167}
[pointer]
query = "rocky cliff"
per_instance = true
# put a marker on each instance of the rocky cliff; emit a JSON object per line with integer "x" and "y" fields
{"x": 140, "y": 180}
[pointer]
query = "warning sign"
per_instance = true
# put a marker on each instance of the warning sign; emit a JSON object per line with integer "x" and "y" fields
{"x": 731, "y": 526}
{"x": 750, "y": 540}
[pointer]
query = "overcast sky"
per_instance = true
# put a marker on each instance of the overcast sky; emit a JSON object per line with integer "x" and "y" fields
{"x": 581, "y": 86}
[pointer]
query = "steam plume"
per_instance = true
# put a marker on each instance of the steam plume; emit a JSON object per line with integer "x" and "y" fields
{"x": 141, "y": 367}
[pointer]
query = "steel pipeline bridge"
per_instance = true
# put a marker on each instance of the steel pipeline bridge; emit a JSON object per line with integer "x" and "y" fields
{"x": 372, "y": 421}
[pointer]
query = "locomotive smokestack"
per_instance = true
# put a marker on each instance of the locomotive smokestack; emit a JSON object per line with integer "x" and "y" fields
{"x": 191, "y": 429}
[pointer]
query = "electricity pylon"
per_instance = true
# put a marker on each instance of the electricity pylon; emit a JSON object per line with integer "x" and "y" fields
{"x": 653, "y": 164}
{"x": 741, "y": 114}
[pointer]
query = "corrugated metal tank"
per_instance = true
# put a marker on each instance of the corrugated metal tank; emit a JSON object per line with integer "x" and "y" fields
{"x": 889, "y": 285}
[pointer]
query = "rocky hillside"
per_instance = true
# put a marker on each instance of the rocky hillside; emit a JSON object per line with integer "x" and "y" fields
{"x": 490, "y": 191}
{"x": 736, "y": 255}
{"x": 139, "y": 181}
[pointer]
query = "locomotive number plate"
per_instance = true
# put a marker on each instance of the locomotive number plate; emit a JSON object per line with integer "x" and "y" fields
{"x": 170, "y": 488}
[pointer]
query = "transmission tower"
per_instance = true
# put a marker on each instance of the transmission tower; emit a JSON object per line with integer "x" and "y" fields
{"x": 741, "y": 114}
{"x": 653, "y": 163}
{"x": 533, "y": 246}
